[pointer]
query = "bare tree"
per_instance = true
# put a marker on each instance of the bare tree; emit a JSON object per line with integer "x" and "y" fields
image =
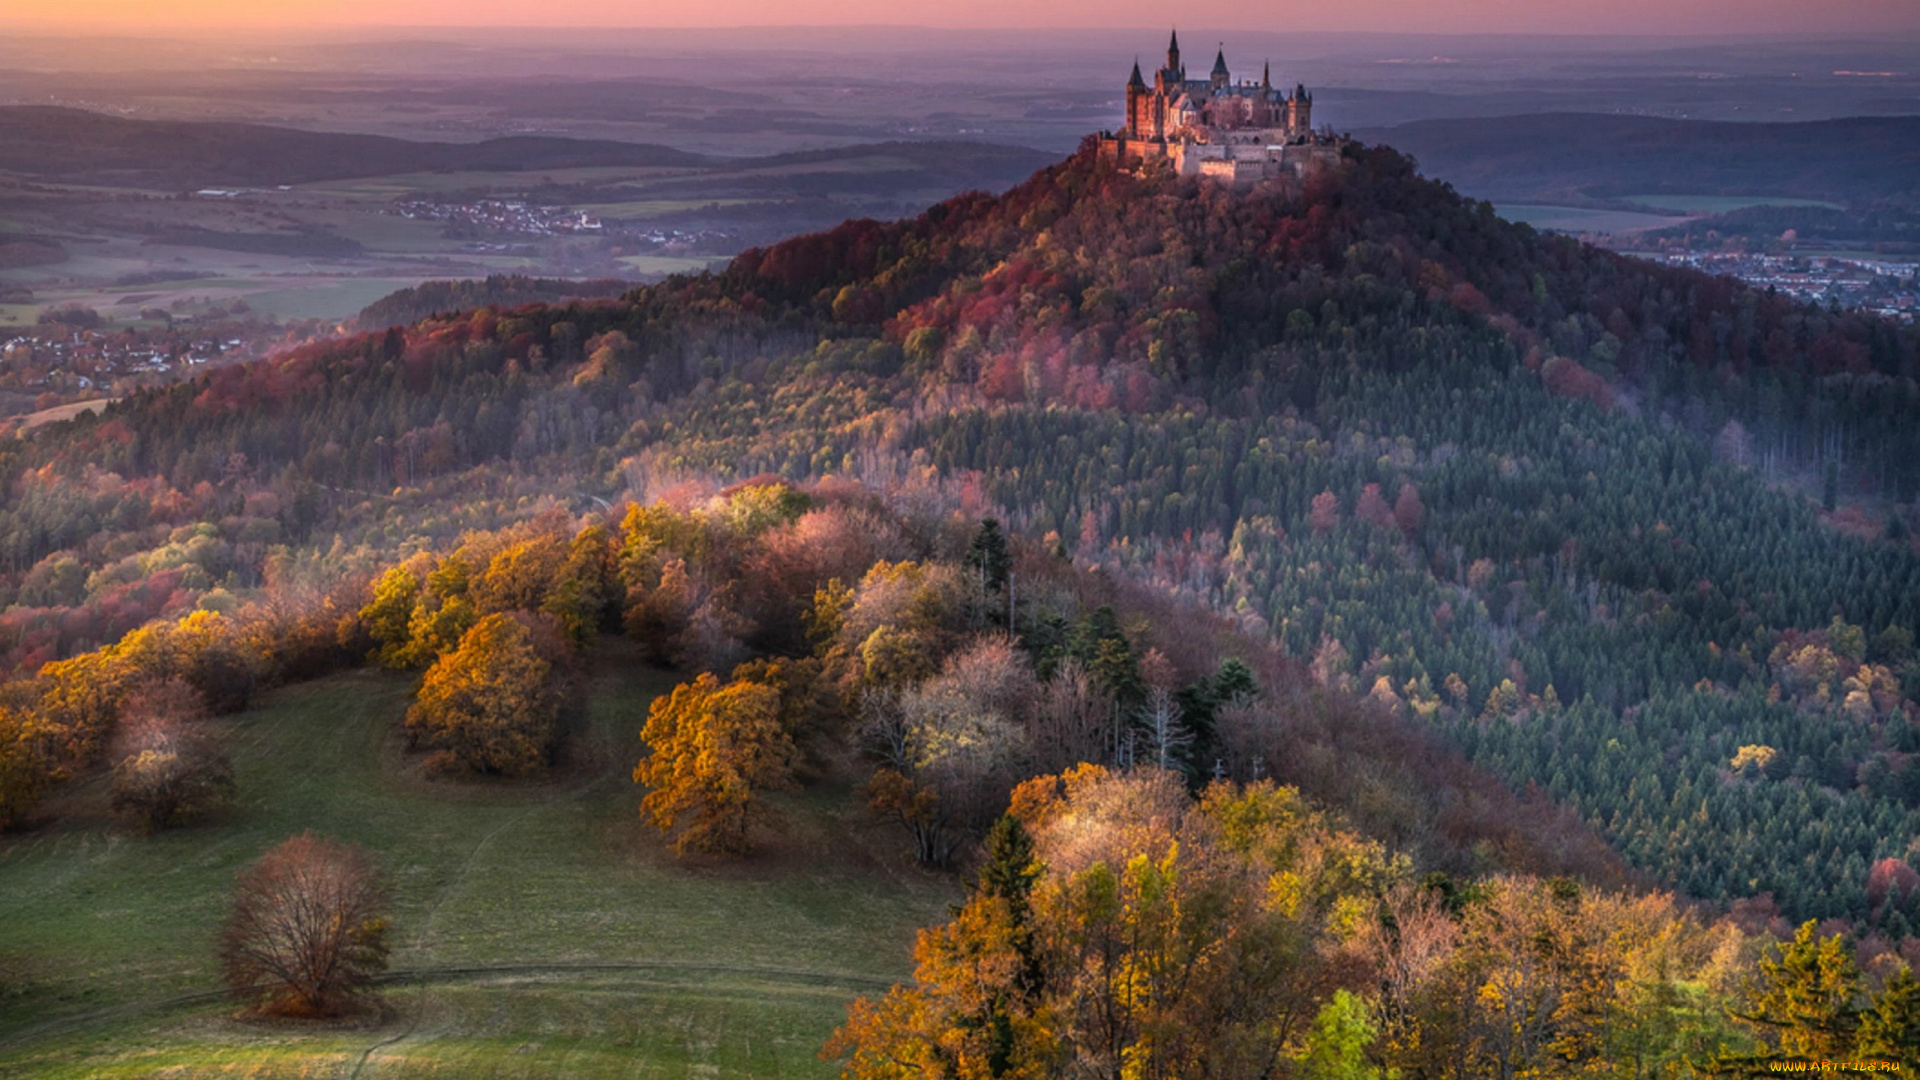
{"x": 1167, "y": 738}
{"x": 1242, "y": 732}
{"x": 167, "y": 770}
{"x": 1072, "y": 720}
{"x": 946, "y": 760}
{"x": 308, "y": 933}
{"x": 1407, "y": 940}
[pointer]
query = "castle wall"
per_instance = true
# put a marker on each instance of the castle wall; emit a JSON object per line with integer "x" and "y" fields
{"x": 1238, "y": 164}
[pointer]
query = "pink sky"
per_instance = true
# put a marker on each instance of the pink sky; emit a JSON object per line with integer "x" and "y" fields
{"x": 1835, "y": 17}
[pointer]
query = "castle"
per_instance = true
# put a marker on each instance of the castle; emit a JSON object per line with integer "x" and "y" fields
{"x": 1243, "y": 132}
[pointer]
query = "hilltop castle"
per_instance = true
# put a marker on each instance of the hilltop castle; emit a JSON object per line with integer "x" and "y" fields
{"x": 1242, "y": 132}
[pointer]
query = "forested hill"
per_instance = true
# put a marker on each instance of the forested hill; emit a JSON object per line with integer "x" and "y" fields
{"x": 1633, "y": 536}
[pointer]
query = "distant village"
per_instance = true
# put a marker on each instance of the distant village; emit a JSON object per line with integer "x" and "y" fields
{"x": 1889, "y": 289}
{"x": 56, "y": 362}
{"x": 480, "y": 218}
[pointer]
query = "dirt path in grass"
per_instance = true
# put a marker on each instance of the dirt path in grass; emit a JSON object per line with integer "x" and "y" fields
{"x": 431, "y": 976}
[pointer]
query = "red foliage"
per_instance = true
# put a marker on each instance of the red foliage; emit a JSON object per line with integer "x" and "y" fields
{"x": 1324, "y": 513}
{"x": 1408, "y": 511}
{"x": 1566, "y": 378}
{"x": 1372, "y": 508}
{"x": 1891, "y": 880}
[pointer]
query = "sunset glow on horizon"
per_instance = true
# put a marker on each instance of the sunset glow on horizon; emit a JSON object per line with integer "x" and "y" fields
{"x": 1626, "y": 17}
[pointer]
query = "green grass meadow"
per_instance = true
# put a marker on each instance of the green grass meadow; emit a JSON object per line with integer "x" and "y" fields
{"x": 540, "y": 929}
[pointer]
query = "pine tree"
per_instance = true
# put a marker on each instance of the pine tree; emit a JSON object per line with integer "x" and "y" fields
{"x": 989, "y": 556}
{"x": 1805, "y": 1003}
{"x": 1890, "y": 1030}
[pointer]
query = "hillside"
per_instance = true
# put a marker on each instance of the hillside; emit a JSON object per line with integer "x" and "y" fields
{"x": 1558, "y": 156}
{"x": 501, "y": 893}
{"x": 1547, "y": 502}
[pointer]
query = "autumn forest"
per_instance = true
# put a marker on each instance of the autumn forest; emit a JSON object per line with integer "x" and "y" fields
{"x": 1327, "y": 631}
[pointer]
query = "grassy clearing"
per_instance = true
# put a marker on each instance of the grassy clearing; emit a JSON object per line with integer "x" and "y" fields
{"x": 601, "y": 1027}
{"x": 714, "y": 966}
{"x": 63, "y": 412}
{"x": 325, "y": 299}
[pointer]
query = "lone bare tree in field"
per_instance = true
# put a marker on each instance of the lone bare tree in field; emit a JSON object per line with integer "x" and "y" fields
{"x": 308, "y": 934}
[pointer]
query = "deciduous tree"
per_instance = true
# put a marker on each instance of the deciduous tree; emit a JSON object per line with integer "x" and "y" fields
{"x": 167, "y": 770}
{"x": 712, "y": 751}
{"x": 490, "y": 705}
{"x": 308, "y": 933}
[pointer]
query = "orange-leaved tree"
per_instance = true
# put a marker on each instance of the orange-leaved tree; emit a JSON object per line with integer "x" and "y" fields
{"x": 712, "y": 750}
{"x": 24, "y": 771}
{"x": 489, "y": 705}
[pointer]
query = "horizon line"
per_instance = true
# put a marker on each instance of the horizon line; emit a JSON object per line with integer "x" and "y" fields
{"x": 118, "y": 28}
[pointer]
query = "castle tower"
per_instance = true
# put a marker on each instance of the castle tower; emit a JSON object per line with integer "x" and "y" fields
{"x": 1136, "y": 102}
{"x": 1299, "y": 112}
{"x": 1175, "y": 73}
{"x": 1219, "y": 79}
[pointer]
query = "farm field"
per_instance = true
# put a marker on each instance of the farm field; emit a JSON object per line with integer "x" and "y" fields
{"x": 322, "y": 249}
{"x": 536, "y": 926}
{"x": 1580, "y": 219}
{"x": 1720, "y": 204}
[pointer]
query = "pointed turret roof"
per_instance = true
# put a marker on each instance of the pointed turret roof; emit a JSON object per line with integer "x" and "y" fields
{"x": 1173, "y": 42}
{"x": 1266, "y": 75}
{"x": 1220, "y": 60}
{"x": 1136, "y": 82}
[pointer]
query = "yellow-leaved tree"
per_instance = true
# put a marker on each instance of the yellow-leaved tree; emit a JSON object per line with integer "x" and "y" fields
{"x": 712, "y": 750}
{"x": 1120, "y": 929}
{"x": 388, "y": 616}
{"x": 489, "y": 705}
{"x": 24, "y": 772}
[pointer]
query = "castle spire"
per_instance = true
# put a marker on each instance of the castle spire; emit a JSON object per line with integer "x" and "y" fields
{"x": 1136, "y": 82}
{"x": 1173, "y": 52}
{"x": 1220, "y": 77}
{"x": 1266, "y": 75}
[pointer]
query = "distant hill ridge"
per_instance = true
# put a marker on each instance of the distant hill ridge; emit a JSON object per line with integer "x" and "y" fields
{"x": 63, "y": 144}
{"x": 1572, "y": 155}
{"x": 74, "y": 144}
